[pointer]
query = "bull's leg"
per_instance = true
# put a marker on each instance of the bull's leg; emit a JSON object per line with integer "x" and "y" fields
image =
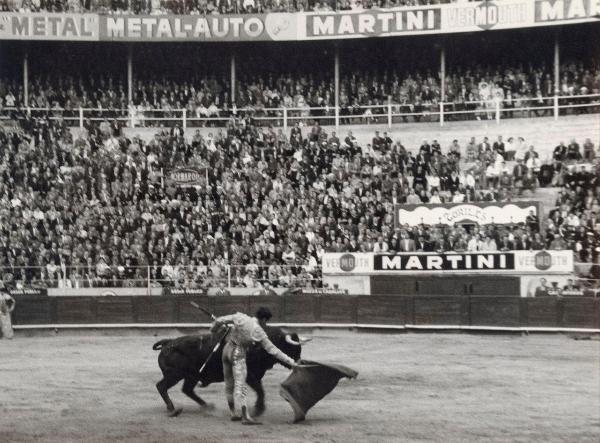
{"x": 256, "y": 385}
{"x": 163, "y": 387}
{"x": 188, "y": 389}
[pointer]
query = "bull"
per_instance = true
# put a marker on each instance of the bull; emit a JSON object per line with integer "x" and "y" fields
{"x": 183, "y": 357}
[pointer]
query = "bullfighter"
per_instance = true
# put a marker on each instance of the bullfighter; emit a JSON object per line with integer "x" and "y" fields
{"x": 7, "y": 305}
{"x": 245, "y": 331}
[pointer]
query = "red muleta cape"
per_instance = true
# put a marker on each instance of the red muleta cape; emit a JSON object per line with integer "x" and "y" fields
{"x": 309, "y": 383}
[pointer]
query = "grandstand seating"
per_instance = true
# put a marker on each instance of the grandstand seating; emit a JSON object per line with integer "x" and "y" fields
{"x": 272, "y": 208}
{"x": 87, "y": 199}
{"x": 364, "y": 98}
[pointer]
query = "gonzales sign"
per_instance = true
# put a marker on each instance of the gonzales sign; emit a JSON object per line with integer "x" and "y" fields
{"x": 479, "y": 213}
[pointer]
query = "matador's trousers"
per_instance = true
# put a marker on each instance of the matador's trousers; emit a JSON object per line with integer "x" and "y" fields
{"x": 235, "y": 372}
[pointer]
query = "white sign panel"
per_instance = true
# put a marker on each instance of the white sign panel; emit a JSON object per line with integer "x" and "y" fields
{"x": 511, "y": 262}
{"x": 449, "y": 214}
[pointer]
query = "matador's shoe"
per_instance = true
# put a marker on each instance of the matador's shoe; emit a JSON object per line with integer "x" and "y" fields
{"x": 247, "y": 419}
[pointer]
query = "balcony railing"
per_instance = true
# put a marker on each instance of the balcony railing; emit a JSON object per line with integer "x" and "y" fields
{"x": 191, "y": 277}
{"x": 389, "y": 113}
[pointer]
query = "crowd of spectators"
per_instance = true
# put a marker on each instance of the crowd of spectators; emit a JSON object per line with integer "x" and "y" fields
{"x": 364, "y": 97}
{"x": 204, "y": 7}
{"x": 96, "y": 209}
{"x": 576, "y": 215}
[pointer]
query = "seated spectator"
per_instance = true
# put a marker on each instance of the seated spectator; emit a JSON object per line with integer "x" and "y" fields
{"x": 542, "y": 289}
{"x": 571, "y": 289}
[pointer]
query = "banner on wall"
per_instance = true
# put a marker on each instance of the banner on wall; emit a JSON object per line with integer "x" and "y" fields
{"x": 566, "y": 10}
{"x": 187, "y": 177}
{"x": 514, "y": 262}
{"x": 104, "y": 292}
{"x": 49, "y": 26}
{"x": 483, "y": 16}
{"x": 243, "y": 27}
{"x": 412, "y": 20}
{"x": 28, "y": 291}
{"x": 373, "y": 23}
{"x": 451, "y": 213}
{"x": 184, "y": 291}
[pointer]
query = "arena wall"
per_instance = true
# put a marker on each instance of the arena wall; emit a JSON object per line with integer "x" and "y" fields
{"x": 401, "y": 312}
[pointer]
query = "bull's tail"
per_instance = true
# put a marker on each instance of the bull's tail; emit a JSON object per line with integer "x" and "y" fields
{"x": 160, "y": 344}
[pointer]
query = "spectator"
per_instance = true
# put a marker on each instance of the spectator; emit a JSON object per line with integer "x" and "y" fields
{"x": 380, "y": 246}
{"x": 222, "y": 290}
{"x": 589, "y": 153}
{"x": 520, "y": 172}
{"x": 558, "y": 243}
{"x": 542, "y": 289}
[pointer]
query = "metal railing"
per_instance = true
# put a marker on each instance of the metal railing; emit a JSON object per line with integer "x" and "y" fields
{"x": 586, "y": 277}
{"x": 389, "y": 113}
{"x": 178, "y": 276}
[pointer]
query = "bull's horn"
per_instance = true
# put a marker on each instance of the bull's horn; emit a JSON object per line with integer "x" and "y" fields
{"x": 304, "y": 339}
{"x": 290, "y": 340}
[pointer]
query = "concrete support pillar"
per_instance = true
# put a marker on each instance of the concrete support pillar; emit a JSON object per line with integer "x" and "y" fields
{"x": 336, "y": 74}
{"x": 442, "y": 83}
{"x": 129, "y": 74}
{"x": 26, "y": 78}
{"x": 233, "y": 80}
{"x": 556, "y": 75}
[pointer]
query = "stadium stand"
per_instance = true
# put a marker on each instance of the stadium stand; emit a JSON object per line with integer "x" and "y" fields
{"x": 275, "y": 202}
{"x": 471, "y": 93}
{"x": 277, "y": 186}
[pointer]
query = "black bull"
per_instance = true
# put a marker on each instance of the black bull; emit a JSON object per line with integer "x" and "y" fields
{"x": 182, "y": 358}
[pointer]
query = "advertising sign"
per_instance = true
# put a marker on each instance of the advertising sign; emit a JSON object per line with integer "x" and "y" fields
{"x": 186, "y": 177}
{"x": 373, "y": 23}
{"x": 28, "y": 291}
{"x": 355, "y": 263}
{"x": 184, "y": 291}
{"x": 323, "y": 291}
{"x": 49, "y": 26}
{"x": 483, "y": 16}
{"x": 479, "y": 213}
{"x": 566, "y": 10}
{"x": 444, "y": 262}
{"x": 512, "y": 262}
{"x": 411, "y": 20}
{"x": 248, "y": 27}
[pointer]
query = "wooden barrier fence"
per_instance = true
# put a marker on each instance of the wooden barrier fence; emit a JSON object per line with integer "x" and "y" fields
{"x": 414, "y": 311}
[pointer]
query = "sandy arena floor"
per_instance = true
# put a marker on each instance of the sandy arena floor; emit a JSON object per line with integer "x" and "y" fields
{"x": 411, "y": 387}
